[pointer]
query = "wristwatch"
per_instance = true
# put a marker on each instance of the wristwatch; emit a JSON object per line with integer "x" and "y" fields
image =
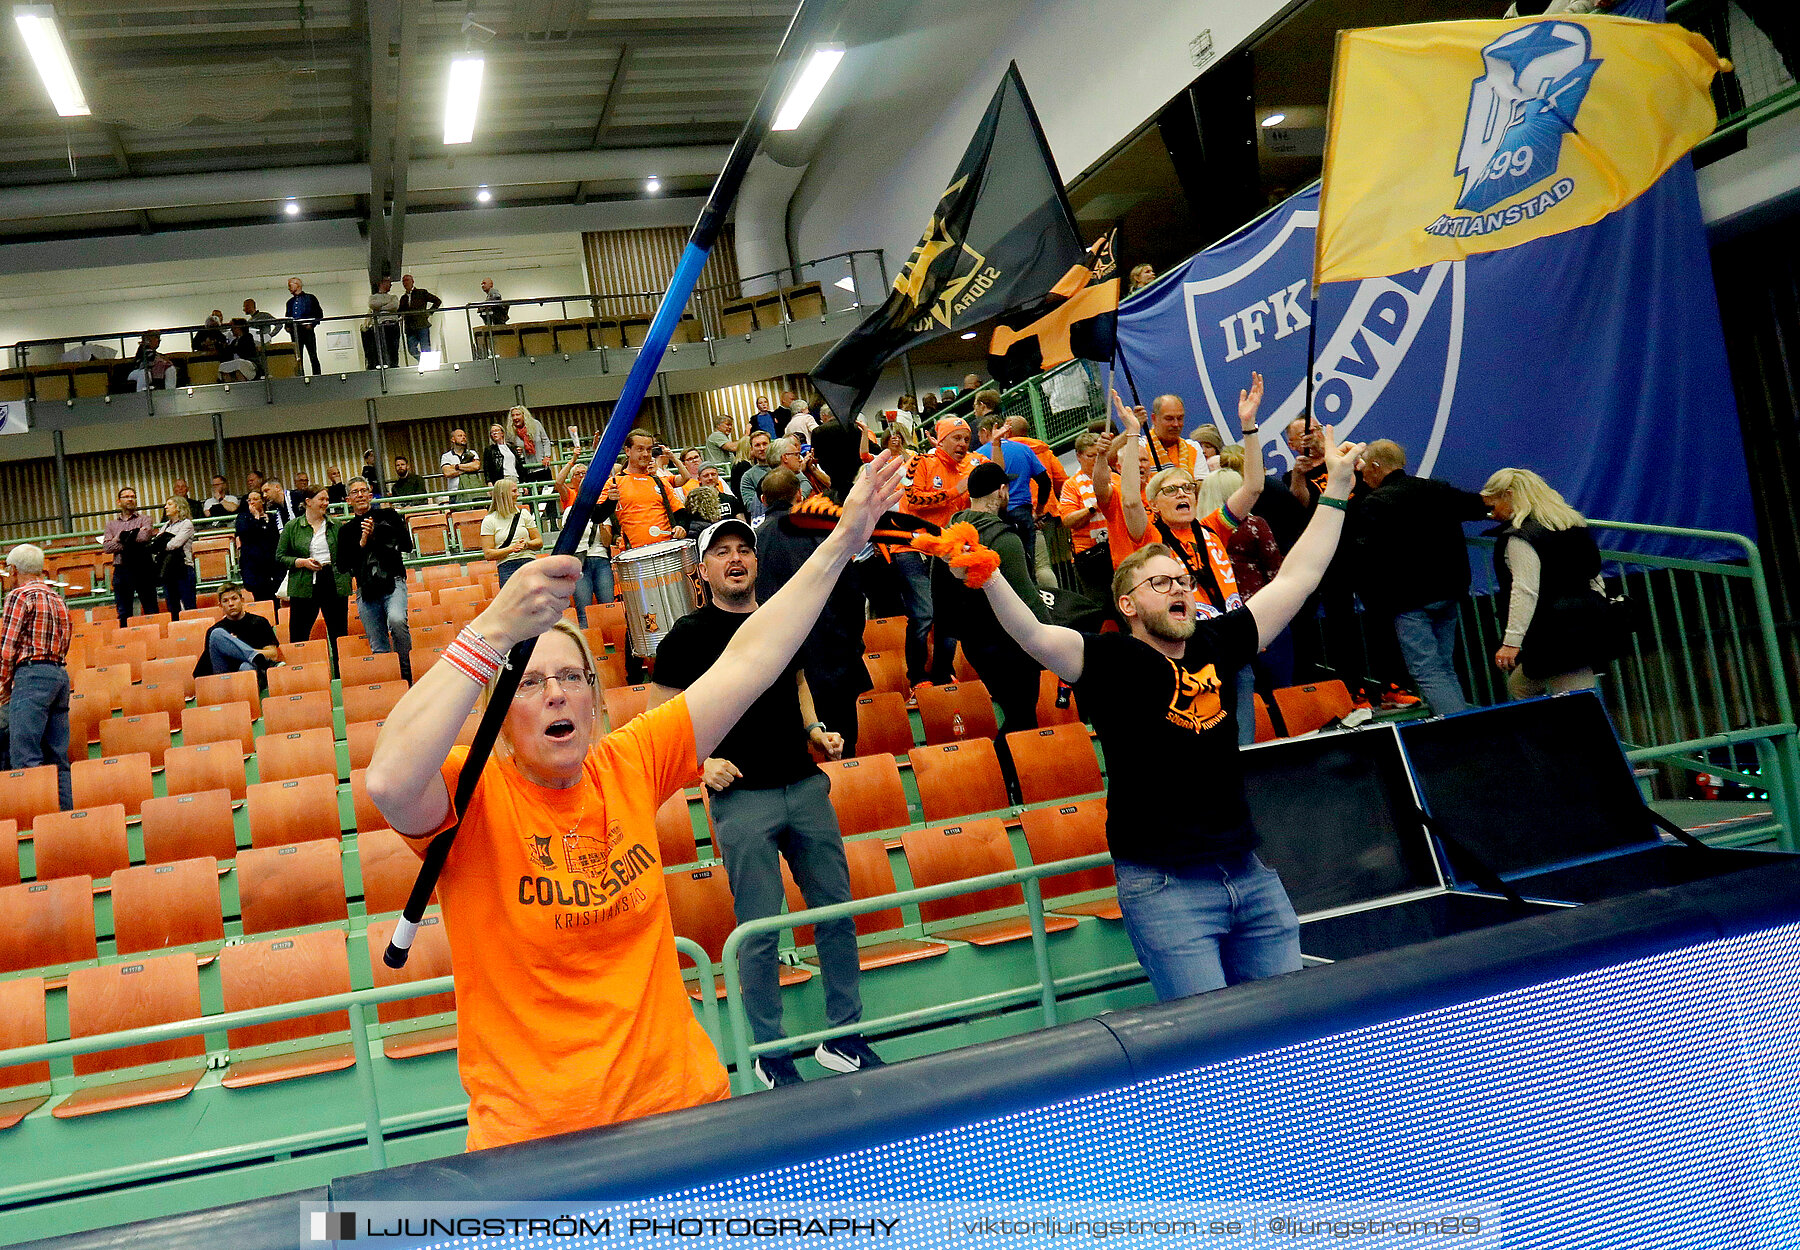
{"x": 816, "y": 725}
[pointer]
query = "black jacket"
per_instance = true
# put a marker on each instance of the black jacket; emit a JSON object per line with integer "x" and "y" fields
{"x": 838, "y": 449}
{"x": 378, "y": 566}
{"x": 402, "y": 487}
{"x": 831, "y": 656}
{"x": 1410, "y": 549}
{"x": 966, "y": 610}
{"x": 493, "y": 464}
{"x": 1568, "y": 629}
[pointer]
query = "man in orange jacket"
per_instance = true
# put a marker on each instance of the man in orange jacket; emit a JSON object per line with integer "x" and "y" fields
{"x": 938, "y": 491}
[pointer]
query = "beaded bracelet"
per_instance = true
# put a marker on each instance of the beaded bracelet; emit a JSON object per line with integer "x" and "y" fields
{"x": 474, "y": 657}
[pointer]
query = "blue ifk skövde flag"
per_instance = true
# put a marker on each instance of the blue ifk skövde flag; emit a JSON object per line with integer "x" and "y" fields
{"x": 1594, "y": 357}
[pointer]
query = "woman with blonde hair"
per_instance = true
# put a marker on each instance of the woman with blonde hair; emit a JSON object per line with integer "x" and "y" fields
{"x": 1548, "y": 567}
{"x": 174, "y": 545}
{"x": 508, "y": 531}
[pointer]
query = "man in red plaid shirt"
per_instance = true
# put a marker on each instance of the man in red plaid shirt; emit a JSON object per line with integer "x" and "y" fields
{"x": 34, "y": 684}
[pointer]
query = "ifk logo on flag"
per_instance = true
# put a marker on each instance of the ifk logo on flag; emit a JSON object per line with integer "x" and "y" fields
{"x": 334, "y": 1226}
{"x": 1520, "y": 109}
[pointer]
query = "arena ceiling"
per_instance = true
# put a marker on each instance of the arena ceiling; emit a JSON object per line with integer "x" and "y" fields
{"x": 215, "y": 112}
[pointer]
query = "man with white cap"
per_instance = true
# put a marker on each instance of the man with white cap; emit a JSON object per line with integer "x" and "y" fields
{"x": 769, "y": 800}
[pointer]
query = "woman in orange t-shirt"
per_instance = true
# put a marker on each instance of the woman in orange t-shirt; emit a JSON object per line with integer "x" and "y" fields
{"x": 571, "y": 1011}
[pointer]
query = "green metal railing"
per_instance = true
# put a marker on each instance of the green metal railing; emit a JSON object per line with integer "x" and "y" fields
{"x": 1760, "y": 85}
{"x": 357, "y": 1003}
{"x": 1703, "y": 673}
{"x": 1046, "y": 988}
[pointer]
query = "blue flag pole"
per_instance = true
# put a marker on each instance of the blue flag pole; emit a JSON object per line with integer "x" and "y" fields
{"x": 809, "y": 19}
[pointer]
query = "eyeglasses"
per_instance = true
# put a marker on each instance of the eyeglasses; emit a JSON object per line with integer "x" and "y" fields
{"x": 534, "y": 684}
{"x": 1176, "y": 488}
{"x": 1163, "y": 583}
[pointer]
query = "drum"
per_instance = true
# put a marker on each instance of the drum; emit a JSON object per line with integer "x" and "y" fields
{"x": 660, "y": 584}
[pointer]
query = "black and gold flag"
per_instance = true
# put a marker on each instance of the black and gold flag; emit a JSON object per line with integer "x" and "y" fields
{"x": 1079, "y": 317}
{"x": 1002, "y": 234}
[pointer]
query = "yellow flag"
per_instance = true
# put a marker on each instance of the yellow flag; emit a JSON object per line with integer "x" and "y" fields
{"x": 1452, "y": 138}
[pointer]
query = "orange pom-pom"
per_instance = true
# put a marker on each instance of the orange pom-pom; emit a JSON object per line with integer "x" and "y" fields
{"x": 961, "y": 546}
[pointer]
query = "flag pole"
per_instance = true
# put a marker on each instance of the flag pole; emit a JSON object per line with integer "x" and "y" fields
{"x": 810, "y": 18}
{"x": 1312, "y": 330}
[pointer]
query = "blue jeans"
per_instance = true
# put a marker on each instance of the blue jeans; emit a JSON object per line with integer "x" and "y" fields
{"x": 509, "y": 567}
{"x": 915, "y": 593}
{"x": 180, "y": 590}
{"x": 418, "y": 341}
{"x": 1427, "y": 638}
{"x": 595, "y": 586}
{"x": 228, "y": 653}
{"x": 384, "y": 621}
{"x": 38, "y": 723}
{"x": 1208, "y": 925}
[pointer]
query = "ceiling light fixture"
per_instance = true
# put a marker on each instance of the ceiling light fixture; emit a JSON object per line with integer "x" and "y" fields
{"x": 483, "y": 194}
{"x": 1274, "y": 119}
{"x": 969, "y": 334}
{"x": 292, "y": 207}
{"x": 43, "y": 39}
{"x": 652, "y": 184}
{"x": 462, "y": 97}
{"x": 821, "y": 63}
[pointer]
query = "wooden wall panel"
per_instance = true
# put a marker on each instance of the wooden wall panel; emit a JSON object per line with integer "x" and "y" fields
{"x": 641, "y": 262}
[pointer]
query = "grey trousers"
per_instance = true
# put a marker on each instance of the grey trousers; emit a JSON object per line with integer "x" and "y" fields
{"x": 755, "y": 829}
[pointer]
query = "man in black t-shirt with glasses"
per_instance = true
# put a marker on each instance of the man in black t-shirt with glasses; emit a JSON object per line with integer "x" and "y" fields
{"x": 1202, "y": 910}
{"x": 770, "y": 800}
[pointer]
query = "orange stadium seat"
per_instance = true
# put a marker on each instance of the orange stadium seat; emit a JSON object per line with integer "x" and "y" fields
{"x": 423, "y": 658}
{"x": 167, "y": 697}
{"x": 205, "y": 766}
{"x": 300, "y": 678}
{"x": 190, "y": 631}
{"x": 112, "y": 680}
{"x": 122, "y": 779}
{"x": 303, "y": 653}
{"x": 175, "y": 671}
{"x": 701, "y": 909}
{"x": 285, "y": 970}
{"x": 958, "y": 779}
{"x": 149, "y": 733}
{"x": 368, "y": 817}
{"x": 86, "y": 842}
{"x": 27, "y": 793}
{"x": 139, "y": 630}
{"x": 961, "y": 668}
{"x": 362, "y": 670}
{"x": 939, "y": 706}
{"x": 882, "y": 725}
{"x": 123, "y": 996}
{"x": 625, "y": 702}
{"x": 428, "y": 959}
{"x": 389, "y": 868}
{"x": 350, "y": 645}
{"x": 434, "y": 636}
{"x": 360, "y": 736}
{"x": 887, "y": 670}
{"x": 675, "y": 830}
{"x": 1049, "y": 685}
{"x": 222, "y": 688}
{"x": 610, "y": 670}
{"x": 884, "y": 633}
{"x": 48, "y": 923}
{"x": 298, "y": 810}
{"x": 155, "y": 622}
{"x": 289, "y": 712}
{"x": 156, "y": 906}
{"x": 9, "y": 852}
{"x": 22, "y": 1024}
{"x": 1054, "y": 763}
{"x": 1265, "y": 727}
{"x": 130, "y": 656}
{"x": 1306, "y": 708}
{"x": 870, "y": 877}
{"x": 867, "y": 795}
{"x": 373, "y": 701}
{"x": 609, "y": 619}
{"x": 87, "y": 709}
{"x": 296, "y": 753}
{"x": 183, "y": 826}
{"x": 1065, "y": 832}
{"x": 229, "y": 723}
{"x": 288, "y": 887}
{"x": 461, "y": 596}
{"x": 957, "y": 852}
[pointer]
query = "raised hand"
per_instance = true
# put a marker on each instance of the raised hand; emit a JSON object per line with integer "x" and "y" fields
{"x": 532, "y": 600}
{"x": 1250, "y": 401}
{"x": 876, "y": 489}
{"x": 1131, "y": 420}
{"x": 1340, "y": 462}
